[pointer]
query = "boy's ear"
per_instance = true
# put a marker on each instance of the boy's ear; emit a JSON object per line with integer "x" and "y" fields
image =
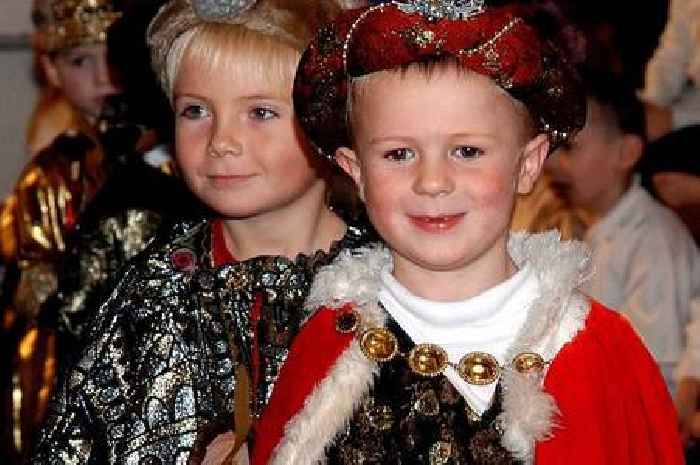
{"x": 631, "y": 151}
{"x": 531, "y": 163}
{"x": 50, "y": 70}
{"x": 347, "y": 160}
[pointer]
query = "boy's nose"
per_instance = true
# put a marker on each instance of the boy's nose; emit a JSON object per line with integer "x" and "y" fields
{"x": 104, "y": 77}
{"x": 224, "y": 141}
{"x": 434, "y": 179}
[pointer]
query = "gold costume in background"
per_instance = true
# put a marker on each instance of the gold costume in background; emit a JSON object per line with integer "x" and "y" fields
{"x": 51, "y": 193}
{"x": 65, "y": 24}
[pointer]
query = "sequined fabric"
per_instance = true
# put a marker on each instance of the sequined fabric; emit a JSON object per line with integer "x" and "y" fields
{"x": 413, "y": 420}
{"x": 87, "y": 269}
{"x": 157, "y": 380}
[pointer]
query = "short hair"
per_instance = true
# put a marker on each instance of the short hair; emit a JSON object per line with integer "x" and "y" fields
{"x": 428, "y": 68}
{"x": 619, "y": 97}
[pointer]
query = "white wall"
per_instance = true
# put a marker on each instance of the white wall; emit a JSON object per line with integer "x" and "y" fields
{"x": 17, "y": 95}
{"x": 15, "y": 16}
{"x": 17, "y": 91}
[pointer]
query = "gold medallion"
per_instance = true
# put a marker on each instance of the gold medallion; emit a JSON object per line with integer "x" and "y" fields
{"x": 528, "y": 362}
{"x": 379, "y": 344}
{"x": 427, "y": 359}
{"x": 479, "y": 368}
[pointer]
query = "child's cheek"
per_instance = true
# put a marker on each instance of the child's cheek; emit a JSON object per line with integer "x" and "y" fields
{"x": 493, "y": 190}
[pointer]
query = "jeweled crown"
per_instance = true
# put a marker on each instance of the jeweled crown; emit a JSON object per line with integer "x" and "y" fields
{"x": 211, "y": 10}
{"x": 442, "y": 9}
{"x": 70, "y": 23}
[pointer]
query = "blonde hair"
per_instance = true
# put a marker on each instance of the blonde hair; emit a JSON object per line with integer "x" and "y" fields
{"x": 280, "y": 26}
{"x": 234, "y": 50}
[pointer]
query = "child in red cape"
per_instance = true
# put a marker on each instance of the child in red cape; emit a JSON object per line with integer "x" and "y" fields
{"x": 458, "y": 342}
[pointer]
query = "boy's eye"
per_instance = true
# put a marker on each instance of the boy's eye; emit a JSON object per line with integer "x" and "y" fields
{"x": 466, "y": 151}
{"x": 263, "y": 114}
{"x": 194, "y": 112}
{"x": 78, "y": 60}
{"x": 402, "y": 154}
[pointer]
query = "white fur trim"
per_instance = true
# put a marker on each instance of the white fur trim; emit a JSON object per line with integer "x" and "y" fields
{"x": 528, "y": 416}
{"x": 352, "y": 277}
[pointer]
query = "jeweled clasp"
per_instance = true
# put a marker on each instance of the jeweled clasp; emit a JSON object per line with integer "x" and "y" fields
{"x": 212, "y": 10}
{"x": 435, "y": 10}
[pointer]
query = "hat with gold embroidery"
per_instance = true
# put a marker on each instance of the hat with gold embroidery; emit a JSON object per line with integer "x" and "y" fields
{"x": 501, "y": 43}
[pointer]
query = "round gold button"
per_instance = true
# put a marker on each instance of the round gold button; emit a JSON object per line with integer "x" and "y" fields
{"x": 528, "y": 362}
{"x": 479, "y": 368}
{"x": 427, "y": 359}
{"x": 379, "y": 344}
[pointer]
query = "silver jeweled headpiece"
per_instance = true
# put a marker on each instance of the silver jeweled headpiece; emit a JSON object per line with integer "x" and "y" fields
{"x": 212, "y": 10}
{"x": 442, "y": 9}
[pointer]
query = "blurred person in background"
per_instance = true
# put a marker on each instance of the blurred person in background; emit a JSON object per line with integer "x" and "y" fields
{"x": 673, "y": 177}
{"x": 140, "y": 194}
{"x": 72, "y": 81}
{"x": 44, "y": 206}
{"x": 672, "y": 76}
{"x": 647, "y": 264}
{"x": 670, "y": 170}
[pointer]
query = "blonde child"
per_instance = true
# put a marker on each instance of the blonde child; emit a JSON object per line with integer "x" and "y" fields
{"x": 193, "y": 335}
{"x": 458, "y": 342}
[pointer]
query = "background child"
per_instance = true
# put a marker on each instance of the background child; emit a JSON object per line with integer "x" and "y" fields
{"x": 71, "y": 68}
{"x": 671, "y": 80}
{"x": 197, "y": 327}
{"x": 457, "y": 344}
{"x": 54, "y": 187}
{"x": 647, "y": 263}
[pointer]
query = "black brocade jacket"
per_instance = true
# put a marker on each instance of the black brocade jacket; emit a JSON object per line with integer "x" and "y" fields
{"x": 156, "y": 382}
{"x": 408, "y": 419}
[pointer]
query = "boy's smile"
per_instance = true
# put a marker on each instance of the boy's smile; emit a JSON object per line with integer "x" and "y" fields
{"x": 436, "y": 224}
{"x": 438, "y": 161}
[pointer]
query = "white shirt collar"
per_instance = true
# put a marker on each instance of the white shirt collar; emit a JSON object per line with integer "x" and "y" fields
{"x": 488, "y": 322}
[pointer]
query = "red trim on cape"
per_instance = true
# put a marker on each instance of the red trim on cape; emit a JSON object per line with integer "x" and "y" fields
{"x": 312, "y": 355}
{"x": 255, "y": 313}
{"x": 219, "y": 251}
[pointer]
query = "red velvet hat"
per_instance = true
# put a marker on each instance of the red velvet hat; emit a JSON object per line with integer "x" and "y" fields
{"x": 499, "y": 43}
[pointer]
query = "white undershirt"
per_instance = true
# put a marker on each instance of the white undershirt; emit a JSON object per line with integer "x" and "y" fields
{"x": 488, "y": 323}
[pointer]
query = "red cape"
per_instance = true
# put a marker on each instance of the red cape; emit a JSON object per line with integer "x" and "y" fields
{"x": 614, "y": 406}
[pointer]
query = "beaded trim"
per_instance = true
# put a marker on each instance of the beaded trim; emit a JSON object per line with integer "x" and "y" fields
{"x": 492, "y": 41}
{"x": 355, "y": 24}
